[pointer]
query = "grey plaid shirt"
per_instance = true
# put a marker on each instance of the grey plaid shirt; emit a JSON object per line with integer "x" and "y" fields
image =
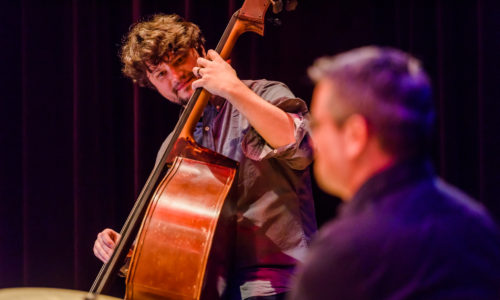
{"x": 275, "y": 206}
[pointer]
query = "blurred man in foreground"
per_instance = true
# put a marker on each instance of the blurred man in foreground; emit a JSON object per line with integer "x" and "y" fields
{"x": 402, "y": 233}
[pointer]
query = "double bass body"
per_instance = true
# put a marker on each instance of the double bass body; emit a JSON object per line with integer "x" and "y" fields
{"x": 185, "y": 240}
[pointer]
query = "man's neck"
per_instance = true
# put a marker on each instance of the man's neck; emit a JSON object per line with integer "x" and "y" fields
{"x": 366, "y": 168}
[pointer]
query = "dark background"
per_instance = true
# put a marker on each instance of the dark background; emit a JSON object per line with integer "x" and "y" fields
{"x": 78, "y": 139}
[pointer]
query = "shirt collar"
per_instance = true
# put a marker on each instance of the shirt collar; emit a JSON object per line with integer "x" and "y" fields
{"x": 387, "y": 181}
{"x": 217, "y": 102}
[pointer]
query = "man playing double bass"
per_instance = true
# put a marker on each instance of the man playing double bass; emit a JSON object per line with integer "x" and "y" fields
{"x": 258, "y": 123}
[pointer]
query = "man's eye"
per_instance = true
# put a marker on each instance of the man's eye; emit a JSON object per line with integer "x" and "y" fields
{"x": 160, "y": 74}
{"x": 180, "y": 60}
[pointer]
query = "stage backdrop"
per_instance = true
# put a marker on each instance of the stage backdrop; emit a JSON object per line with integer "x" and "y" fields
{"x": 78, "y": 139}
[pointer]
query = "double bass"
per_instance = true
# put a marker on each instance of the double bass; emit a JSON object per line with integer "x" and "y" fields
{"x": 184, "y": 218}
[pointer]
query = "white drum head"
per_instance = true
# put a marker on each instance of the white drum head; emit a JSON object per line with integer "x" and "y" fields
{"x": 46, "y": 294}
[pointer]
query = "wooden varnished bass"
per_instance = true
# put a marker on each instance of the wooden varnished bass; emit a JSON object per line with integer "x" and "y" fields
{"x": 182, "y": 248}
{"x": 184, "y": 217}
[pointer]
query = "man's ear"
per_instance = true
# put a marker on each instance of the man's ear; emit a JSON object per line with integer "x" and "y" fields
{"x": 203, "y": 52}
{"x": 356, "y": 134}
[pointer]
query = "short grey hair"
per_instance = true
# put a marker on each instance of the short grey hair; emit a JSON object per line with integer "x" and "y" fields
{"x": 389, "y": 88}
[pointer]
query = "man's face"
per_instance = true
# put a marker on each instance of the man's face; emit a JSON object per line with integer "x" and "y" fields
{"x": 331, "y": 163}
{"x": 173, "y": 79}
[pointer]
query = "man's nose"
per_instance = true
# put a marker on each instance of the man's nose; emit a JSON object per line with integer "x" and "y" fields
{"x": 178, "y": 74}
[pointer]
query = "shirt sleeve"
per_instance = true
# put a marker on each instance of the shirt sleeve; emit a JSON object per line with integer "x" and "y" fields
{"x": 297, "y": 155}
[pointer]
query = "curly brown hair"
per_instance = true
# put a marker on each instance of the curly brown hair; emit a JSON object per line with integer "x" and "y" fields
{"x": 154, "y": 40}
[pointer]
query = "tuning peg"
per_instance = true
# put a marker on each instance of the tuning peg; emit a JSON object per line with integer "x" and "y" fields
{"x": 277, "y": 6}
{"x": 291, "y": 5}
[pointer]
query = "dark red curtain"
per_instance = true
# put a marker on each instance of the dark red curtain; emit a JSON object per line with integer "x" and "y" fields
{"x": 78, "y": 139}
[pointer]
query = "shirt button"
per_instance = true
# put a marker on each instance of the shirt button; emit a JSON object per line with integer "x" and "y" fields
{"x": 217, "y": 107}
{"x": 207, "y": 128}
{"x": 275, "y": 151}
